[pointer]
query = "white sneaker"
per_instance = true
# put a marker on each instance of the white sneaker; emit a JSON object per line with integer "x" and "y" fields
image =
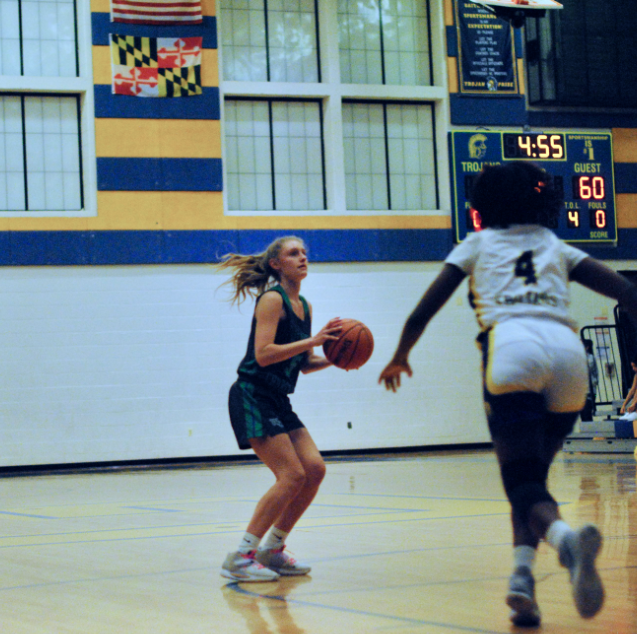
{"x": 279, "y": 561}
{"x": 521, "y": 599}
{"x": 577, "y": 552}
{"x": 244, "y": 567}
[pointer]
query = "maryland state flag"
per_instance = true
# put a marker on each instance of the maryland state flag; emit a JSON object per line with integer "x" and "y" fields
{"x": 156, "y": 66}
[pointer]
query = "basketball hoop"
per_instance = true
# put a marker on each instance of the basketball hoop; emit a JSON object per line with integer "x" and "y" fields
{"x": 516, "y": 14}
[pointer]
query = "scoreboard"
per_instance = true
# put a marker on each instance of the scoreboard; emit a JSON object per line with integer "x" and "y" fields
{"x": 581, "y": 164}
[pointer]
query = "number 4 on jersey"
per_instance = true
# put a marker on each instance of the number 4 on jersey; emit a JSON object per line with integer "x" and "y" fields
{"x": 524, "y": 268}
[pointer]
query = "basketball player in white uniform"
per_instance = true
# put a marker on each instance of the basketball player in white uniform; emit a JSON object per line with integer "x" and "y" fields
{"x": 534, "y": 365}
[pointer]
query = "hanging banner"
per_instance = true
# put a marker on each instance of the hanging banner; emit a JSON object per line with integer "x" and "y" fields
{"x": 486, "y": 52}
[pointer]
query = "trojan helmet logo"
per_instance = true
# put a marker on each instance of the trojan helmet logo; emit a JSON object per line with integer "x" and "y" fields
{"x": 477, "y": 146}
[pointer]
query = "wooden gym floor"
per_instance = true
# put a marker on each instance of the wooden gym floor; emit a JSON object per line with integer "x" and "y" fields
{"x": 398, "y": 544}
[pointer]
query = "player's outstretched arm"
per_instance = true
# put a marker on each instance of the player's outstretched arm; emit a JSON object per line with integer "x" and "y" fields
{"x": 432, "y": 301}
{"x": 603, "y": 280}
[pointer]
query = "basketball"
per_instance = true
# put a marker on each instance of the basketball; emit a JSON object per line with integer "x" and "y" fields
{"x": 353, "y": 348}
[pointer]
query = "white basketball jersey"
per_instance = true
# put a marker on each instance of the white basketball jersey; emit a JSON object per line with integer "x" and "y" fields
{"x": 522, "y": 271}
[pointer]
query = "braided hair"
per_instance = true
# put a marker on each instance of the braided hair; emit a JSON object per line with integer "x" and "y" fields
{"x": 253, "y": 274}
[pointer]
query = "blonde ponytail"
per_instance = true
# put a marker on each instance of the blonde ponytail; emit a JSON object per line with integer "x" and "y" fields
{"x": 253, "y": 274}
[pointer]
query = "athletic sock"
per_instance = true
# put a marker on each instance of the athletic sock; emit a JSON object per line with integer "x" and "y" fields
{"x": 523, "y": 556}
{"x": 275, "y": 539}
{"x": 556, "y": 533}
{"x": 249, "y": 543}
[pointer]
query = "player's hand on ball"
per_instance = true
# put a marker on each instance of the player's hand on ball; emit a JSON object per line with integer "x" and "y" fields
{"x": 329, "y": 332}
{"x": 391, "y": 374}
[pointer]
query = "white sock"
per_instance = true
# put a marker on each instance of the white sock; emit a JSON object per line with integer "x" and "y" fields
{"x": 556, "y": 532}
{"x": 249, "y": 543}
{"x": 523, "y": 556}
{"x": 275, "y": 539}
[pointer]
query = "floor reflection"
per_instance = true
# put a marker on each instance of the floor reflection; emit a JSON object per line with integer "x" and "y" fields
{"x": 264, "y": 606}
{"x": 608, "y": 498}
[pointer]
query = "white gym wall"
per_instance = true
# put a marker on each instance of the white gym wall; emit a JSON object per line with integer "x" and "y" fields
{"x": 134, "y": 363}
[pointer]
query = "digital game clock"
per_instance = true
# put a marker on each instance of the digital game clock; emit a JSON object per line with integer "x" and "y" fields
{"x": 581, "y": 164}
{"x": 543, "y": 147}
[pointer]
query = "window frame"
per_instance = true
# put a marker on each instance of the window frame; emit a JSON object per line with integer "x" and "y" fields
{"x": 82, "y": 87}
{"x": 386, "y": 141}
{"x": 332, "y": 93}
{"x": 270, "y": 101}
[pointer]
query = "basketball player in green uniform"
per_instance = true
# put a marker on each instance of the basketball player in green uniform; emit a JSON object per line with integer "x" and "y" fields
{"x": 280, "y": 346}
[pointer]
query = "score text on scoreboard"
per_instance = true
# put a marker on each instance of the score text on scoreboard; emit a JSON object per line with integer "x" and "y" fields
{"x": 581, "y": 164}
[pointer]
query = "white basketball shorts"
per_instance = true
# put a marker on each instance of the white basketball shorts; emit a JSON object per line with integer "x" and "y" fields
{"x": 527, "y": 354}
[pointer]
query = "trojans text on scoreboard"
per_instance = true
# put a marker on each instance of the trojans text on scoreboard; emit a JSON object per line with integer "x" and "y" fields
{"x": 476, "y": 166}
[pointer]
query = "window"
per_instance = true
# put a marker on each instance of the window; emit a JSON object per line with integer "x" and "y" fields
{"x": 39, "y": 38}
{"x": 270, "y": 40}
{"x": 384, "y": 42}
{"x": 583, "y": 55}
{"x": 40, "y": 164}
{"x": 388, "y": 148}
{"x": 330, "y": 106}
{"x": 274, "y": 155}
{"x": 43, "y": 98}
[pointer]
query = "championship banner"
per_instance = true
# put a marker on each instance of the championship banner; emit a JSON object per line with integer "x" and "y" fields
{"x": 157, "y": 12}
{"x": 156, "y": 66}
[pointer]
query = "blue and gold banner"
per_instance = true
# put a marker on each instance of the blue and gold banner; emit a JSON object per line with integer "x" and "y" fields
{"x": 486, "y": 50}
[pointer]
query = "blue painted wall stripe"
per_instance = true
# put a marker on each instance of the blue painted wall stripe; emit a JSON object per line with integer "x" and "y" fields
{"x": 62, "y": 248}
{"x": 479, "y": 110}
{"x": 544, "y": 118}
{"x": 626, "y": 178}
{"x": 67, "y": 248}
{"x": 468, "y": 110}
{"x": 205, "y": 106}
{"x": 452, "y": 41}
{"x": 102, "y": 27}
{"x": 159, "y": 174}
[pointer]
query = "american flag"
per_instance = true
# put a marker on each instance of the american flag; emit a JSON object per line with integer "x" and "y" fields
{"x": 159, "y": 12}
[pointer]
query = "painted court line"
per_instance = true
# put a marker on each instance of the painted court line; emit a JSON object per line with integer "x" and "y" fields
{"x": 150, "y": 508}
{"x": 40, "y": 517}
{"x": 448, "y": 626}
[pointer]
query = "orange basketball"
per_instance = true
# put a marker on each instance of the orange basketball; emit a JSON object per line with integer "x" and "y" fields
{"x": 353, "y": 348}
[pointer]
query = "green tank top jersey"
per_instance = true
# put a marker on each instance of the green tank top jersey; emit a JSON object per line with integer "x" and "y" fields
{"x": 281, "y": 376}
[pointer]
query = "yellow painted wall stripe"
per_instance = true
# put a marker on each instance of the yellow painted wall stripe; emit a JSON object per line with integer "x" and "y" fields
{"x": 449, "y": 18}
{"x": 44, "y": 224}
{"x": 521, "y": 76}
{"x": 101, "y": 6}
{"x": 626, "y": 211}
{"x": 201, "y": 211}
{"x": 625, "y": 145}
{"x": 340, "y": 222}
{"x": 206, "y": 214}
{"x": 208, "y": 7}
{"x": 161, "y": 138}
{"x": 452, "y": 70}
{"x": 159, "y": 210}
